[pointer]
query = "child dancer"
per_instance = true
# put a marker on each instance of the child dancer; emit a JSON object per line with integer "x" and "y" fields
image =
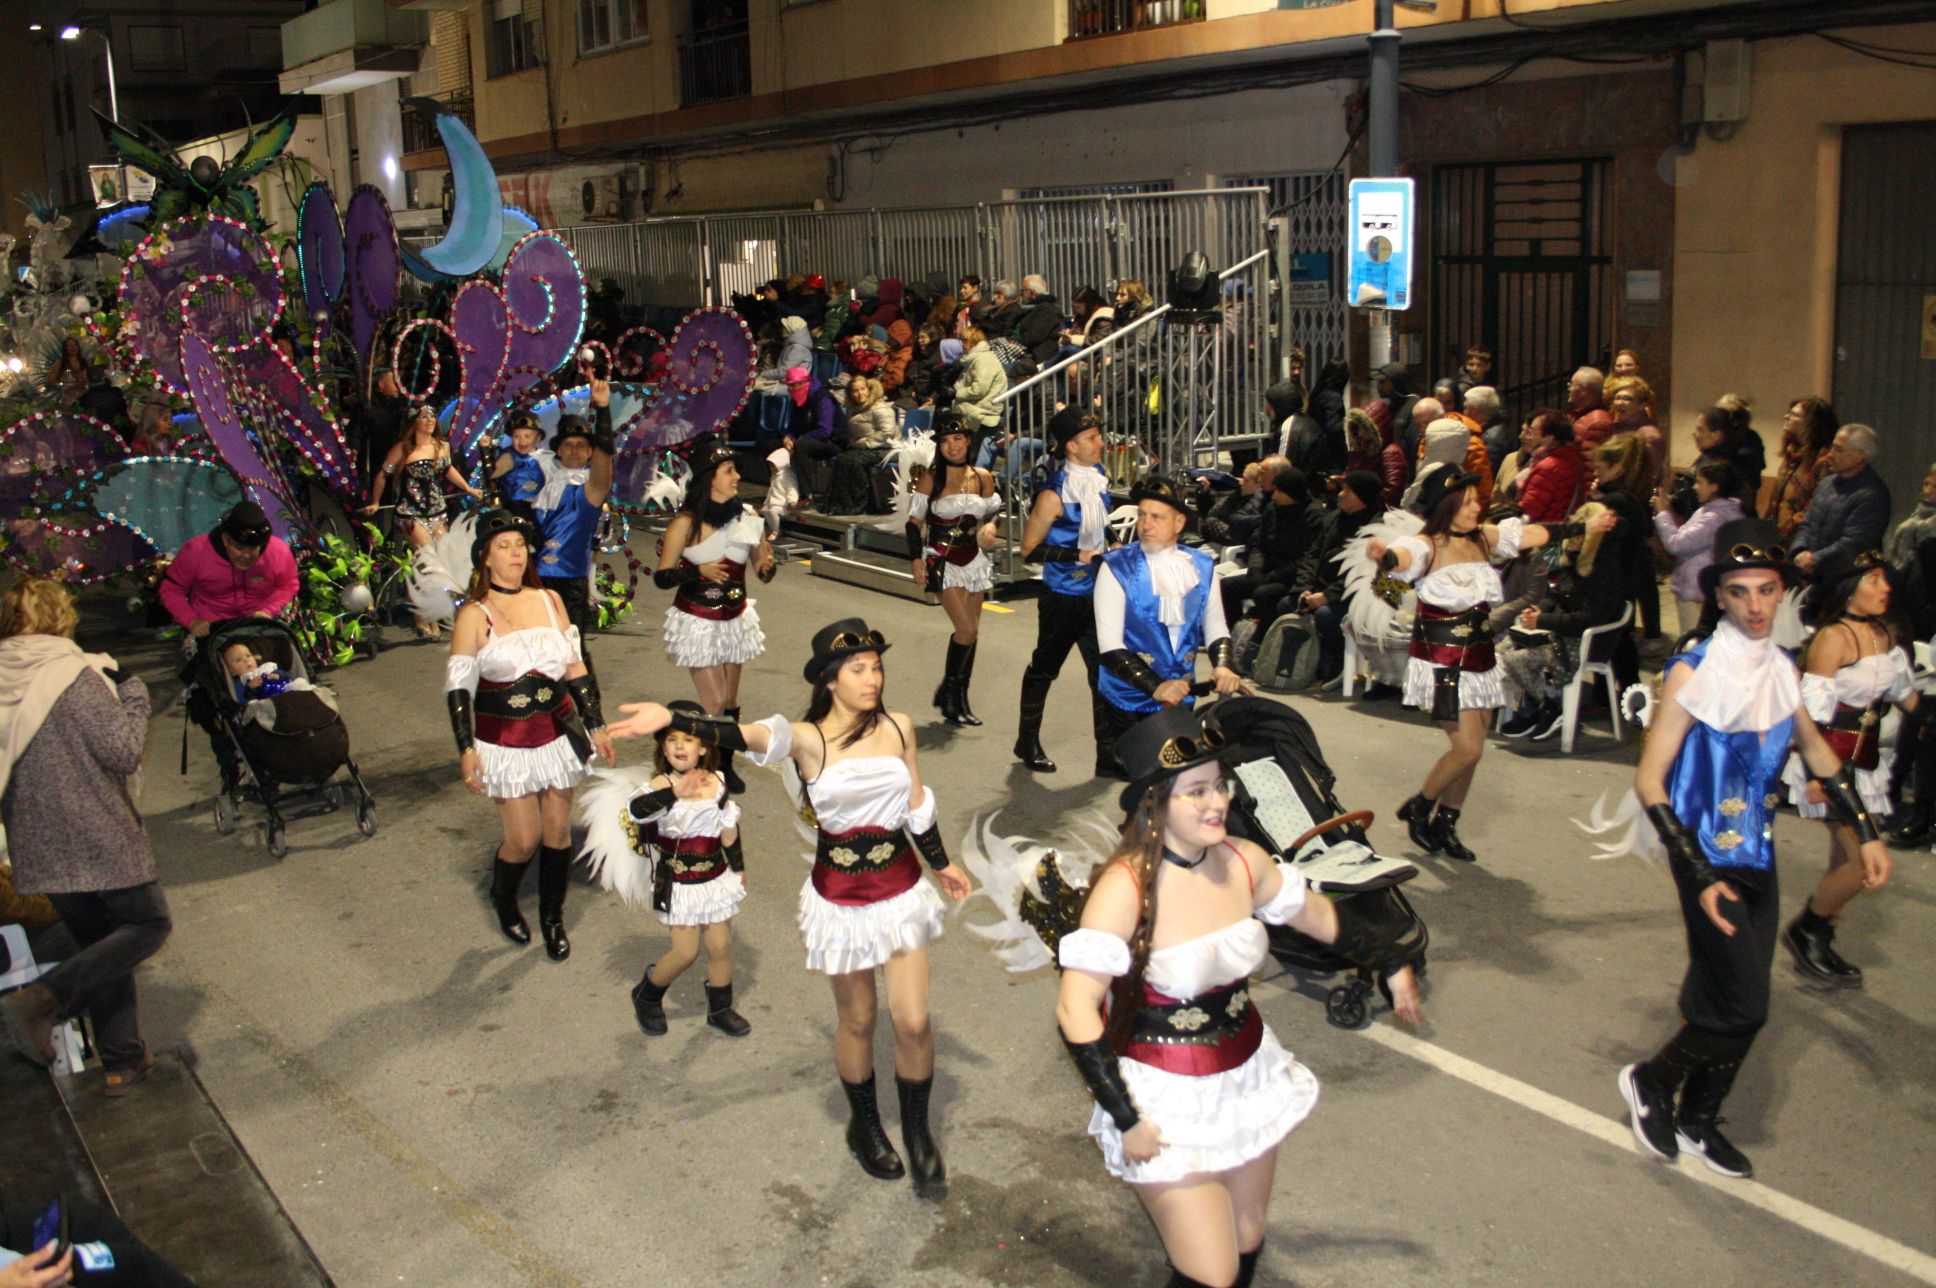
{"x": 673, "y": 836}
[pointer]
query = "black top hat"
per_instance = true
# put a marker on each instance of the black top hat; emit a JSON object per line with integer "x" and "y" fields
{"x": 838, "y": 641}
{"x": 1065, "y": 425}
{"x": 1438, "y": 485}
{"x": 1836, "y": 576}
{"x": 1161, "y": 746}
{"x": 1161, "y": 487}
{"x": 525, "y": 419}
{"x": 1743, "y": 544}
{"x": 951, "y": 422}
{"x": 708, "y": 452}
{"x": 246, "y": 525}
{"x": 571, "y": 427}
{"x": 495, "y": 523}
{"x": 702, "y": 731}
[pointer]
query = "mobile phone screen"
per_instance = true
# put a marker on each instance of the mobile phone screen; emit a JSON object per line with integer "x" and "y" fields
{"x": 51, "y": 1226}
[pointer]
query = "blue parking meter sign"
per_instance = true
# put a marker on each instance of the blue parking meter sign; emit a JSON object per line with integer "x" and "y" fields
{"x": 1381, "y": 244}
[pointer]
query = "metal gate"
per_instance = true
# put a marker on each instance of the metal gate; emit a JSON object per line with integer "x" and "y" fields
{"x": 1521, "y": 254}
{"x": 1885, "y": 299}
{"x": 1310, "y": 207}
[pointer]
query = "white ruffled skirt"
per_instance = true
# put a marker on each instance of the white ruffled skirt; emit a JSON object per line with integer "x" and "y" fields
{"x": 705, "y": 903}
{"x": 1872, "y": 785}
{"x": 510, "y": 772}
{"x": 841, "y": 938}
{"x": 1478, "y": 690}
{"x": 699, "y": 641}
{"x": 976, "y": 575}
{"x": 1214, "y": 1122}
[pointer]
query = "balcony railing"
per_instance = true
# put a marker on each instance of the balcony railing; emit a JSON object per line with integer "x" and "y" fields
{"x": 1109, "y": 17}
{"x": 714, "y": 64}
{"x": 420, "y": 131}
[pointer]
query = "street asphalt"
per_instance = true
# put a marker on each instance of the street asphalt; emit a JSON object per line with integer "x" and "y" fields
{"x": 434, "y": 1105}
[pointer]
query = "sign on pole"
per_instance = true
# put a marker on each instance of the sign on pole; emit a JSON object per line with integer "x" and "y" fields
{"x": 1381, "y": 244}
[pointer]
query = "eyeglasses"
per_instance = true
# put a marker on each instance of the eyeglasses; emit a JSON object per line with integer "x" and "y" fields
{"x": 861, "y": 640}
{"x": 1180, "y": 751}
{"x": 1869, "y": 559}
{"x": 1221, "y": 788}
{"x": 1745, "y": 553}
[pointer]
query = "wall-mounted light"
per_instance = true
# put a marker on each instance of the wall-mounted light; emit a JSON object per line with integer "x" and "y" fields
{"x": 70, "y": 32}
{"x": 389, "y": 167}
{"x": 33, "y": 26}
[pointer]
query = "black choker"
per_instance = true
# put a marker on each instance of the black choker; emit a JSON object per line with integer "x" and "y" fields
{"x": 718, "y": 514}
{"x": 505, "y": 590}
{"x": 1467, "y": 535}
{"x": 1865, "y": 618}
{"x": 1171, "y": 856}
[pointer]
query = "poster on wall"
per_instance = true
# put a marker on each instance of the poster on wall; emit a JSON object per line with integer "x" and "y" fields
{"x": 1381, "y": 243}
{"x": 1311, "y": 279}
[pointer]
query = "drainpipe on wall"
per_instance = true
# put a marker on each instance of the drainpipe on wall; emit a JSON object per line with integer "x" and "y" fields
{"x": 1381, "y": 128}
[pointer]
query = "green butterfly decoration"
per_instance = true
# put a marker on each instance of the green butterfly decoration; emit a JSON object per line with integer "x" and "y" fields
{"x": 201, "y": 185}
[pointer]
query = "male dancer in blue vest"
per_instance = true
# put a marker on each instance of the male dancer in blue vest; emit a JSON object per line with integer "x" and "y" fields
{"x": 1730, "y": 706}
{"x": 1157, "y": 606}
{"x": 1066, "y": 533}
{"x": 568, "y": 507}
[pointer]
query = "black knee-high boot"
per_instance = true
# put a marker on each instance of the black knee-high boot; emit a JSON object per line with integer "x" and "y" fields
{"x": 1247, "y": 1266}
{"x": 924, "y": 1157}
{"x": 1028, "y": 729}
{"x": 734, "y": 783}
{"x": 554, "y": 874}
{"x": 948, "y": 696}
{"x": 506, "y": 880}
{"x": 1110, "y": 724}
{"x": 962, "y": 714}
{"x": 866, "y": 1138}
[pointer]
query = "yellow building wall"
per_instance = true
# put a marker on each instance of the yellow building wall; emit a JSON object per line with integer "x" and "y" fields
{"x": 1756, "y": 226}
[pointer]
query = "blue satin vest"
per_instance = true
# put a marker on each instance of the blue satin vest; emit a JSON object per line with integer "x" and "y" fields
{"x": 569, "y": 531}
{"x": 523, "y": 481}
{"x": 1067, "y": 578}
{"x": 1144, "y": 634}
{"x": 1724, "y": 786}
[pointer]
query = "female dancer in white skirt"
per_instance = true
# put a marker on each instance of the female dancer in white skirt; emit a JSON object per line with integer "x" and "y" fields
{"x": 712, "y": 628}
{"x": 669, "y": 836}
{"x": 866, "y": 904}
{"x": 1452, "y": 672}
{"x": 1855, "y": 670}
{"x": 1193, "y": 1092}
{"x": 526, "y": 715}
{"x": 955, "y": 501}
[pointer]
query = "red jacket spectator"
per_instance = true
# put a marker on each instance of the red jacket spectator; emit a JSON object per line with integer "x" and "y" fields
{"x": 1592, "y": 427}
{"x": 1552, "y": 484}
{"x": 207, "y": 583}
{"x": 893, "y": 374}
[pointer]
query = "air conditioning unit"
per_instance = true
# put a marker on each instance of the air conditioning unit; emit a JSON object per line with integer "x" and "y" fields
{"x": 1729, "y": 67}
{"x": 601, "y": 198}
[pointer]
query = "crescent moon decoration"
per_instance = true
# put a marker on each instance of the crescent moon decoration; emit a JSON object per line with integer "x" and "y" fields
{"x": 216, "y": 276}
{"x": 42, "y": 537}
{"x": 319, "y": 256}
{"x": 371, "y": 272}
{"x": 209, "y": 388}
{"x": 165, "y": 500}
{"x": 517, "y": 226}
{"x": 476, "y": 212}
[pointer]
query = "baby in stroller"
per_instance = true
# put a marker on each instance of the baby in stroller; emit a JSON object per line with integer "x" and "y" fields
{"x": 253, "y": 679}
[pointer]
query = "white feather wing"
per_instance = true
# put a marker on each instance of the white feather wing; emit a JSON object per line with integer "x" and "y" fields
{"x": 600, "y": 807}
{"x": 1369, "y": 614}
{"x": 1003, "y": 868}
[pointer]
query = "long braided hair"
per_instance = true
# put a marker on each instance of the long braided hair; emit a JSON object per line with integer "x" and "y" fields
{"x": 1141, "y": 850}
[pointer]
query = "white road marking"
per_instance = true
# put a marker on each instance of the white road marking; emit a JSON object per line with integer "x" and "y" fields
{"x": 1897, "y": 1256}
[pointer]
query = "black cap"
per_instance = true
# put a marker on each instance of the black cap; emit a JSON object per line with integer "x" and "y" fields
{"x": 1161, "y": 746}
{"x": 1744, "y": 544}
{"x": 495, "y": 523}
{"x": 1161, "y": 487}
{"x": 246, "y": 525}
{"x": 837, "y": 641}
{"x": 1366, "y": 486}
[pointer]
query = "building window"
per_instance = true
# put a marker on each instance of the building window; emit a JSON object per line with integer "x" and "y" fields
{"x": 155, "y": 49}
{"x": 603, "y": 24}
{"x": 515, "y": 41}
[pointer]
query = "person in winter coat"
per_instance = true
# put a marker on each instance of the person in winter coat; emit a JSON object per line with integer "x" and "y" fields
{"x": 1552, "y": 481}
{"x": 796, "y": 348}
{"x": 1234, "y": 520}
{"x": 1395, "y": 397}
{"x": 813, "y": 429}
{"x": 1326, "y": 406}
{"x": 1444, "y": 448}
{"x": 72, "y": 730}
{"x": 871, "y": 430}
{"x": 1039, "y": 328}
{"x": 980, "y": 382}
{"x": 1297, "y": 435}
{"x": 1282, "y": 563}
{"x": 1370, "y": 446}
{"x": 924, "y": 368}
{"x": 900, "y": 353}
{"x": 1692, "y": 542}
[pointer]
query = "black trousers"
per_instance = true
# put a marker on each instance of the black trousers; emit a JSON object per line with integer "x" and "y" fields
{"x": 577, "y": 594}
{"x": 1726, "y": 987}
{"x": 117, "y": 931}
{"x": 1266, "y": 591}
{"x": 1062, "y": 622}
{"x": 136, "y": 1265}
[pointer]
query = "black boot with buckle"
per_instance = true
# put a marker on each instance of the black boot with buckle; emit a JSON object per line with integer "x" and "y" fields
{"x": 1445, "y": 830}
{"x": 1417, "y": 815}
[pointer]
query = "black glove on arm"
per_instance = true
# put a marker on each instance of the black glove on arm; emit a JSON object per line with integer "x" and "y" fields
{"x": 1846, "y": 803}
{"x": 647, "y": 804}
{"x": 735, "y": 855}
{"x": 721, "y": 731}
{"x": 584, "y": 696}
{"x": 1684, "y": 853}
{"x": 1131, "y": 669}
{"x": 1222, "y": 654}
{"x": 1096, "y": 1062}
{"x": 602, "y": 438}
{"x": 1046, "y": 553}
{"x": 930, "y": 846}
{"x": 914, "y": 544}
{"x": 676, "y": 576}
{"x": 463, "y": 722}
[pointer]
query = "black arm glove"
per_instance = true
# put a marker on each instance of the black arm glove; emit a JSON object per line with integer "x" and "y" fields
{"x": 1365, "y": 942}
{"x": 1130, "y": 669}
{"x": 915, "y": 548}
{"x": 462, "y": 722}
{"x": 1684, "y": 853}
{"x": 584, "y": 696}
{"x": 645, "y": 805}
{"x": 735, "y": 855}
{"x": 1562, "y": 531}
{"x": 721, "y": 731}
{"x": 602, "y": 438}
{"x": 930, "y": 846}
{"x": 1096, "y": 1062}
{"x": 1046, "y": 553}
{"x": 1222, "y": 654}
{"x": 676, "y": 576}
{"x": 1846, "y": 804}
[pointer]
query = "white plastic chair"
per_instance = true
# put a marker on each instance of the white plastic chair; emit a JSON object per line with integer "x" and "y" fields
{"x": 23, "y": 970}
{"x": 1596, "y": 658}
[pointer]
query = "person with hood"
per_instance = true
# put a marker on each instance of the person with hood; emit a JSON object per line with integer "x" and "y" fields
{"x": 1443, "y": 448}
{"x": 1296, "y": 435}
{"x": 900, "y": 354}
{"x": 1327, "y": 407}
{"x": 1370, "y": 447}
{"x": 1361, "y": 502}
{"x": 796, "y": 347}
{"x": 815, "y": 429}
{"x": 807, "y": 301}
{"x": 1039, "y": 328}
{"x": 72, "y": 731}
{"x": 1395, "y": 397}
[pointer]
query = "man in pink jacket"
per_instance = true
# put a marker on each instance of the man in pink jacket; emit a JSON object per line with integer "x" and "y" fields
{"x": 240, "y": 569}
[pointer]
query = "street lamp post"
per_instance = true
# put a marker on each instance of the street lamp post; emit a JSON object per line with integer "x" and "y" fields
{"x": 72, "y": 31}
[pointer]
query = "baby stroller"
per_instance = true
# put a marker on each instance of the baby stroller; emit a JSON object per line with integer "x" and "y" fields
{"x": 1286, "y": 805}
{"x": 294, "y": 739}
